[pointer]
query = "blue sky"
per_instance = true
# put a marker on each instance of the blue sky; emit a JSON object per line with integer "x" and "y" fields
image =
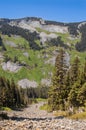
{"x": 56, "y": 10}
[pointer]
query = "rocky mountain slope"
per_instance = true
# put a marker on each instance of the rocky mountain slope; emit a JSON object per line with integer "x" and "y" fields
{"x": 29, "y": 46}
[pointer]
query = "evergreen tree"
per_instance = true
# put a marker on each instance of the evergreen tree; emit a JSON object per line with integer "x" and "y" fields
{"x": 56, "y": 98}
{"x": 74, "y": 71}
{"x": 83, "y": 74}
{"x": 74, "y": 83}
{"x": 11, "y": 95}
{"x": 2, "y": 45}
{"x": 82, "y": 95}
{"x": 73, "y": 100}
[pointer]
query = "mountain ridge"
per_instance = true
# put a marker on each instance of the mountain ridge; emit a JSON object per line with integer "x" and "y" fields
{"x": 38, "y": 18}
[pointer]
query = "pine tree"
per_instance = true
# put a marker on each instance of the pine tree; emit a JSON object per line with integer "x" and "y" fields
{"x": 73, "y": 99}
{"x": 74, "y": 71}
{"x": 74, "y": 83}
{"x": 83, "y": 74}
{"x": 56, "y": 98}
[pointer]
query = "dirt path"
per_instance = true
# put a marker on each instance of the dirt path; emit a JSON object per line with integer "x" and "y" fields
{"x": 32, "y": 118}
{"x": 32, "y": 111}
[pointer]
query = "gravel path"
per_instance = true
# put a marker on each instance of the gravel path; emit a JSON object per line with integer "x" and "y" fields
{"x": 32, "y": 118}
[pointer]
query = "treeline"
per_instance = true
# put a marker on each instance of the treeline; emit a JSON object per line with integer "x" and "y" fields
{"x": 2, "y": 47}
{"x": 38, "y": 92}
{"x": 6, "y": 29}
{"x": 73, "y": 28}
{"x": 68, "y": 89}
{"x": 11, "y": 95}
{"x": 81, "y": 46}
{"x": 58, "y": 42}
{"x": 14, "y": 96}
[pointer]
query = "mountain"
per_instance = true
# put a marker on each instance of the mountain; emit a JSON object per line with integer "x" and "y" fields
{"x": 29, "y": 46}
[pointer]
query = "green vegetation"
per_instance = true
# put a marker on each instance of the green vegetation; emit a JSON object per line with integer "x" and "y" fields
{"x": 24, "y": 48}
{"x": 68, "y": 85}
{"x": 5, "y": 109}
{"x": 10, "y": 95}
{"x": 41, "y": 99}
{"x": 41, "y": 30}
{"x": 45, "y": 107}
{"x": 81, "y": 55}
{"x": 77, "y": 116}
{"x": 61, "y": 113}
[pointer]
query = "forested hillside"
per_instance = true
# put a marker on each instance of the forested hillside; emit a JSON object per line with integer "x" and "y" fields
{"x": 31, "y": 62}
{"x": 68, "y": 90}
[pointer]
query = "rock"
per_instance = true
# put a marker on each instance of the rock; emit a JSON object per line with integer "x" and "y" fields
{"x": 10, "y": 66}
{"x": 46, "y": 82}
{"x": 46, "y": 37}
{"x": 32, "y": 118}
{"x": 25, "y": 83}
{"x": 10, "y": 43}
{"x": 51, "y": 61}
{"x": 30, "y": 126}
{"x": 26, "y": 54}
{"x": 31, "y": 25}
{"x": 55, "y": 28}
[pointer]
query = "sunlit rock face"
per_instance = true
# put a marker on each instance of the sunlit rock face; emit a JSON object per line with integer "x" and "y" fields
{"x": 25, "y": 83}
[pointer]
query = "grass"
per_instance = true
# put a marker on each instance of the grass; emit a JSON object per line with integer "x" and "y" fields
{"x": 5, "y": 108}
{"x": 18, "y": 40}
{"x": 45, "y": 107}
{"x": 41, "y": 100}
{"x": 77, "y": 116}
{"x": 36, "y": 65}
{"x": 60, "y": 113}
{"x": 42, "y": 30}
{"x": 81, "y": 55}
{"x": 66, "y": 114}
{"x": 37, "y": 69}
{"x": 38, "y": 42}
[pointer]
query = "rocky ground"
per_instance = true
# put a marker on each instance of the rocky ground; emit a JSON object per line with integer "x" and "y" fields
{"x": 32, "y": 118}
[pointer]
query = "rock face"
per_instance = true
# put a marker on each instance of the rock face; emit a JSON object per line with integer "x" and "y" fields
{"x": 46, "y": 82}
{"x": 46, "y": 37}
{"x": 32, "y": 24}
{"x": 55, "y": 28}
{"x": 10, "y": 66}
{"x": 51, "y": 61}
{"x": 25, "y": 83}
{"x": 12, "y": 44}
{"x": 26, "y": 54}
